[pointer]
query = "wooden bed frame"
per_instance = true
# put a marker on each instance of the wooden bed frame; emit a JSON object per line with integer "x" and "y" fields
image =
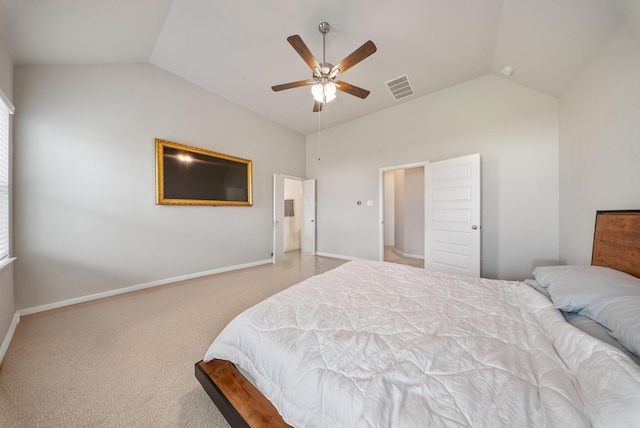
{"x": 616, "y": 244}
{"x": 238, "y": 400}
{"x": 616, "y": 241}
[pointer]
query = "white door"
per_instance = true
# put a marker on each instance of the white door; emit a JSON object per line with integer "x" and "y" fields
{"x": 452, "y": 216}
{"x": 278, "y": 217}
{"x": 309, "y": 216}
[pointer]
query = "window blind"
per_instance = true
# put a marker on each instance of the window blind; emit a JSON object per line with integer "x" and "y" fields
{"x": 5, "y": 110}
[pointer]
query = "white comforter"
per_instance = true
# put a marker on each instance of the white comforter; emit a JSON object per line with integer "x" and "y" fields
{"x": 373, "y": 344}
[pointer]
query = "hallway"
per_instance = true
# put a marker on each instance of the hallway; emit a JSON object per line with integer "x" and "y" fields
{"x": 391, "y": 256}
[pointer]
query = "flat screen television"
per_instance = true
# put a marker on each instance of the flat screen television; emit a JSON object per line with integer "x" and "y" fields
{"x": 190, "y": 176}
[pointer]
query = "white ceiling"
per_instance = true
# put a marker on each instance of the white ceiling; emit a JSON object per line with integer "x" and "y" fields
{"x": 238, "y": 49}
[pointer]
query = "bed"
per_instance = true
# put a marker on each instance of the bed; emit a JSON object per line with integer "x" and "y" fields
{"x": 376, "y": 344}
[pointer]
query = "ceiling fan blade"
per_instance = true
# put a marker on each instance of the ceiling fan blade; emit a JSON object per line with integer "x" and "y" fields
{"x": 290, "y": 85}
{"x": 367, "y": 49}
{"x": 317, "y": 106}
{"x": 351, "y": 89}
{"x": 303, "y": 51}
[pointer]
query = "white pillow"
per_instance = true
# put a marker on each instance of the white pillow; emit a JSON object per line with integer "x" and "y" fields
{"x": 621, "y": 315}
{"x": 573, "y": 287}
{"x": 536, "y": 286}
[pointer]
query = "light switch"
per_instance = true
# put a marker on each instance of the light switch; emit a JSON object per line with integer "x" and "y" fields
{"x": 369, "y": 203}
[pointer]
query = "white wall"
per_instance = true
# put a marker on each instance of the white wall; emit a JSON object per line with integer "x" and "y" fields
{"x": 600, "y": 141}
{"x": 414, "y": 212}
{"x": 398, "y": 210}
{"x": 7, "y": 305}
{"x": 6, "y": 71}
{"x": 389, "y": 208}
{"x": 515, "y": 130}
{"x": 86, "y": 219}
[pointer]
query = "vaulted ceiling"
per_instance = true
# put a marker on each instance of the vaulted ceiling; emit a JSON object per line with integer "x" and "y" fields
{"x": 238, "y": 49}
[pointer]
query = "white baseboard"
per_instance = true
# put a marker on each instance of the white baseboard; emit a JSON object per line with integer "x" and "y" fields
{"x": 336, "y": 256}
{"x": 97, "y": 296}
{"x": 411, "y": 256}
{"x": 9, "y": 336}
{"x": 29, "y": 311}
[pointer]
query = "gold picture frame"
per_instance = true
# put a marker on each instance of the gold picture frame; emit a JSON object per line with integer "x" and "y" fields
{"x": 188, "y": 175}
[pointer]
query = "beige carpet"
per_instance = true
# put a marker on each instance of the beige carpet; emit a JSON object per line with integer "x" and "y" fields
{"x": 391, "y": 256}
{"x": 128, "y": 361}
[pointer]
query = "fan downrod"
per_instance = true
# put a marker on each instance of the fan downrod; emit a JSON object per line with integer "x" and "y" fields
{"x": 321, "y": 75}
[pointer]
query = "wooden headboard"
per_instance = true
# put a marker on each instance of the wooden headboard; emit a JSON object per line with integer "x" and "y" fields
{"x": 616, "y": 241}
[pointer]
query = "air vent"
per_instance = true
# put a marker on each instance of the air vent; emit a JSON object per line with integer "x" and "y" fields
{"x": 400, "y": 87}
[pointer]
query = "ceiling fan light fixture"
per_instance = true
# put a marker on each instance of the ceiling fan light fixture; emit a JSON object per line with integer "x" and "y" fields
{"x": 330, "y": 90}
{"x": 324, "y": 92}
{"x": 318, "y": 92}
{"x": 323, "y": 81}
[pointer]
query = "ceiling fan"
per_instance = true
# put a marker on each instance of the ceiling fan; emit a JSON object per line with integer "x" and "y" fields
{"x": 323, "y": 81}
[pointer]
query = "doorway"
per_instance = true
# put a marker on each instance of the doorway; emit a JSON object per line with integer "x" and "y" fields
{"x": 452, "y": 200}
{"x": 294, "y": 211}
{"x": 403, "y": 225}
{"x": 292, "y": 227}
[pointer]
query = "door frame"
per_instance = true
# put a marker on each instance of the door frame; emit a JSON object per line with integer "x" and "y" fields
{"x": 381, "y": 173}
